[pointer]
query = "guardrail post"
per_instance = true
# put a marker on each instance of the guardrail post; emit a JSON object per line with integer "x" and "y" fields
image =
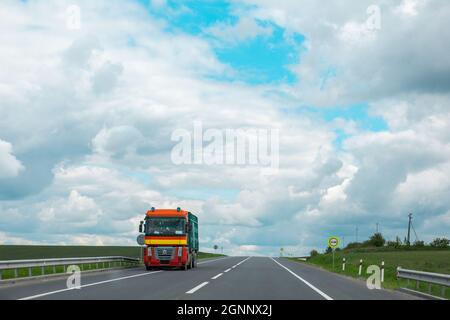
{"x": 382, "y": 271}
{"x": 343, "y": 264}
{"x": 360, "y": 266}
{"x": 30, "y": 272}
{"x": 42, "y": 270}
{"x": 16, "y": 273}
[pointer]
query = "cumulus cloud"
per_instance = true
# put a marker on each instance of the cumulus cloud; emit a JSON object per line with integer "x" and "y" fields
{"x": 244, "y": 29}
{"x": 10, "y": 166}
{"x": 370, "y": 64}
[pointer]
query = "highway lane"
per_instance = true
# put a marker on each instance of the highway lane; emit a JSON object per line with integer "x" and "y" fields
{"x": 282, "y": 279}
{"x": 232, "y": 278}
{"x": 133, "y": 283}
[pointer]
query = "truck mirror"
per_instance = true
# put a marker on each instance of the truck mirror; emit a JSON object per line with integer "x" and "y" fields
{"x": 140, "y": 226}
{"x": 188, "y": 228}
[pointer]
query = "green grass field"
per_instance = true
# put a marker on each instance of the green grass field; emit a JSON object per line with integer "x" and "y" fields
{"x": 45, "y": 252}
{"x": 8, "y": 252}
{"x": 437, "y": 261}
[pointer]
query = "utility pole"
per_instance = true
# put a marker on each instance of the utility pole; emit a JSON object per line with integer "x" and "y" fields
{"x": 408, "y": 241}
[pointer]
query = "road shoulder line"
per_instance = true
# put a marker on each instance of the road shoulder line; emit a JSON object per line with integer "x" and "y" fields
{"x": 324, "y": 295}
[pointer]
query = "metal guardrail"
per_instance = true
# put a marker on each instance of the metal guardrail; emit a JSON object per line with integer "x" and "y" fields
{"x": 55, "y": 262}
{"x": 442, "y": 280}
{"x": 429, "y": 277}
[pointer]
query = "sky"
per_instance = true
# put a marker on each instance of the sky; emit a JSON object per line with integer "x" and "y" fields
{"x": 92, "y": 91}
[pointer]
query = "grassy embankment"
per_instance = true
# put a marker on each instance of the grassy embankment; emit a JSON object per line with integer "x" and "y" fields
{"x": 437, "y": 261}
{"x": 45, "y": 252}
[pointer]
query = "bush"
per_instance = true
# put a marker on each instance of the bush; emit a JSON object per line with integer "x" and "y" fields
{"x": 392, "y": 244}
{"x": 440, "y": 243}
{"x": 313, "y": 253}
{"x": 376, "y": 240}
{"x": 353, "y": 245}
{"x": 328, "y": 250}
{"x": 419, "y": 244}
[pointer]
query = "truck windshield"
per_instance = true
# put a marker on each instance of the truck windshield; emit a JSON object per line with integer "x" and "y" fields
{"x": 165, "y": 226}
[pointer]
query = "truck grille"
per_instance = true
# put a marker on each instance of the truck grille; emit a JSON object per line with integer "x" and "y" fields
{"x": 164, "y": 253}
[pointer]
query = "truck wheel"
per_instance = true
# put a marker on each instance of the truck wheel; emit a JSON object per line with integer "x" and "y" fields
{"x": 148, "y": 268}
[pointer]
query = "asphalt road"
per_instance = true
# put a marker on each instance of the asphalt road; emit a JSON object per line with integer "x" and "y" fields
{"x": 231, "y": 278}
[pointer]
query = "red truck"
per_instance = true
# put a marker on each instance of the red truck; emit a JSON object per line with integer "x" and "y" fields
{"x": 171, "y": 239}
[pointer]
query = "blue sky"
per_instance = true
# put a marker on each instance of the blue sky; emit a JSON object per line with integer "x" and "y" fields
{"x": 258, "y": 60}
{"x": 86, "y": 117}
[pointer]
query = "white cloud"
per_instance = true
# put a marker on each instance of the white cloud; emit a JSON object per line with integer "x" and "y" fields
{"x": 10, "y": 166}
{"x": 245, "y": 29}
{"x": 117, "y": 140}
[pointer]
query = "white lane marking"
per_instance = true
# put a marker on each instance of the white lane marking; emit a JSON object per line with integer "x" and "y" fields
{"x": 219, "y": 275}
{"x": 197, "y": 288}
{"x": 304, "y": 281}
{"x": 236, "y": 265}
{"x": 88, "y": 285}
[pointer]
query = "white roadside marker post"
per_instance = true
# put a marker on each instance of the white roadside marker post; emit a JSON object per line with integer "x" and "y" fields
{"x": 343, "y": 264}
{"x": 360, "y": 266}
{"x": 382, "y": 271}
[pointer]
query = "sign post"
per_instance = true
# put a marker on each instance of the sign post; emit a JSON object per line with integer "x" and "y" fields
{"x": 333, "y": 243}
{"x": 141, "y": 241}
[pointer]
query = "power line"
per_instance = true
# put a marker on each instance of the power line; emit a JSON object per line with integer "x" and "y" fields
{"x": 412, "y": 226}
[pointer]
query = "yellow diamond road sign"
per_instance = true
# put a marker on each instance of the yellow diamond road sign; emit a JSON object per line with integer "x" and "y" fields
{"x": 333, "y": 242}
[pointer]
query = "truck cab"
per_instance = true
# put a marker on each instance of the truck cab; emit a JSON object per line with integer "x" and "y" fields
{"x": 171, "y": 239}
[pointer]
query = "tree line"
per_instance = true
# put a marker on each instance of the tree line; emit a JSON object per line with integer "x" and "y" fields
{"x": 378, "y": 241}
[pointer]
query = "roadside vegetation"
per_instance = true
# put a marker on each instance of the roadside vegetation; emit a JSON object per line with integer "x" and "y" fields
{"x": 24, "y": 252}
{"x": 206, "y": 255}
{"x": 432, "y": 257}
{"x": 9, "y": 252}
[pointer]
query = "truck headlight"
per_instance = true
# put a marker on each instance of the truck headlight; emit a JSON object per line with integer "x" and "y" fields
{"x": 180, "y": 251}
{"x": 149, "y": 251}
